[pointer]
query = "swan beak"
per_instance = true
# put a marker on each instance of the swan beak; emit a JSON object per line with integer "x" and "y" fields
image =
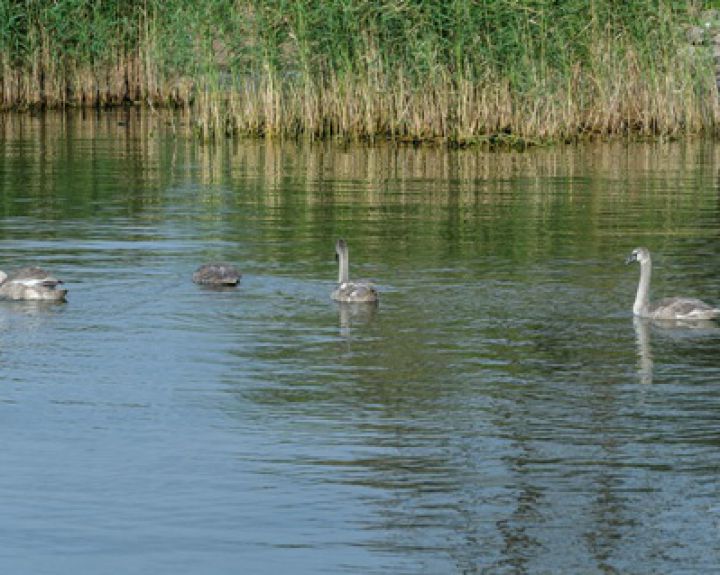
{"x": 630, "y": 259}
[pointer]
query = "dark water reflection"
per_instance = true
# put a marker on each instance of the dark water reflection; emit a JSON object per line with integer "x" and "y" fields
{"x": 499, "y": 412}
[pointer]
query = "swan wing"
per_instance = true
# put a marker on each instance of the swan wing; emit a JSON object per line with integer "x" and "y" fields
{"x": 684, "y": 308}
{"x": 33, "y": 277}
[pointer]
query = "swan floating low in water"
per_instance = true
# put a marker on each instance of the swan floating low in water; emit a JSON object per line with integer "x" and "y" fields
{"x": 30, "y": 283}
{"x": 667, "y": 308}
{"x": 216, "y": 275}
{"x": 347, "y": 291}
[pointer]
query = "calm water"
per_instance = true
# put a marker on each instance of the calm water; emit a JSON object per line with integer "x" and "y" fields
{"x": 499, "y": 413}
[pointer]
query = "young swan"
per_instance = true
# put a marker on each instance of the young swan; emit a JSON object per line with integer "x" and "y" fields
{"x": 347, "y": 291}
{"x": 667, "y": 308}
{"x": 30, "y": 284}
{"x": 216, "y": 275}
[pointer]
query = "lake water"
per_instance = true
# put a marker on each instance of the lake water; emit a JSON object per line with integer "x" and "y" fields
{"x": 500, "y": 412}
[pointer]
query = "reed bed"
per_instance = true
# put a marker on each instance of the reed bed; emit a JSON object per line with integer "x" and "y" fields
{"x": 459, "y": 71}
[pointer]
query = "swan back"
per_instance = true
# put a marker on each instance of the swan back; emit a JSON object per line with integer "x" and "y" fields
{"x": 682, "y": 308}
{"x": 356, "y": 292}
{"x": 216, "y": 274}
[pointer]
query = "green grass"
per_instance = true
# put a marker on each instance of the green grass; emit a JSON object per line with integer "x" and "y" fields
{"x": 460, "y": 71}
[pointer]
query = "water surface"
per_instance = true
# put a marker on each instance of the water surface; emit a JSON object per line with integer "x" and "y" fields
{"x": 499, "y": 412}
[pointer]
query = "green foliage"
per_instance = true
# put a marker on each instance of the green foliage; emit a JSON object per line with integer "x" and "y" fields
{"x": 457, "y": 69}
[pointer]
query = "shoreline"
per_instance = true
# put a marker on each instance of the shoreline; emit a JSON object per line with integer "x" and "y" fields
{"x": 181, "y": 122}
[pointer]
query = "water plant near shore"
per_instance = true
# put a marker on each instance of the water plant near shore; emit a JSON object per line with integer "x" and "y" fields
{"x": 458, "y": 71}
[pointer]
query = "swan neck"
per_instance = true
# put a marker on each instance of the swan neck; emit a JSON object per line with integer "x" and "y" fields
{"x": 643, "y": 292}
{"x": 344, "y": 266}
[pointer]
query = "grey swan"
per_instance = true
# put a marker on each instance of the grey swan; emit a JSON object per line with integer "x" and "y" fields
{"x": 31, "y": 283}
{"x": 360, "y": 291}
{"x": 216, "y": 275}
{"x": 682, "y": 308}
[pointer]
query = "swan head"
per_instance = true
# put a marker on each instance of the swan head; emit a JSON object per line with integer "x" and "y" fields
{"x": 640, "y": 255}
{"x": 340, "y": 248}
{"x": 3, "y": 276}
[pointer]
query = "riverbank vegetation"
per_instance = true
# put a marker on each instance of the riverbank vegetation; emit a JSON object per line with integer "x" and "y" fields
{"x": 460, "y": 71}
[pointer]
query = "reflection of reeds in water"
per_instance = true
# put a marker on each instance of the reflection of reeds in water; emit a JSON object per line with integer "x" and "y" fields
{"x": 85, "y": 152}
{"x": 149, "y": 136}
{"x": 412, "y": 197}
{"x": 307, "y": 182}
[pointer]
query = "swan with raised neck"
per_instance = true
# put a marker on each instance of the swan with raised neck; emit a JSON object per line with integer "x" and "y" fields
{"x": 668, "y": 308}
{"x": 361, "y": 291}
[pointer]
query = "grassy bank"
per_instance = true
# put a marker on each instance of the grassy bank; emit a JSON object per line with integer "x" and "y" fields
{"x": 461, "y": 71}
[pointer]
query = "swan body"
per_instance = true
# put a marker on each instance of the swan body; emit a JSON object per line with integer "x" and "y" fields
{"x": 360, "y": 291}
{"x": 216, "y": 275}
{"x": 355, "y": 292}
{"x": 31, "y": 283}
{"x": 682, "y": 308}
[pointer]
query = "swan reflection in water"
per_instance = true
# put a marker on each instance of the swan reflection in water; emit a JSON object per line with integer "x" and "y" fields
{"x": 645, "y": 357}
{"x": 678, "y": 329}
{"x": 355, "y": 314}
